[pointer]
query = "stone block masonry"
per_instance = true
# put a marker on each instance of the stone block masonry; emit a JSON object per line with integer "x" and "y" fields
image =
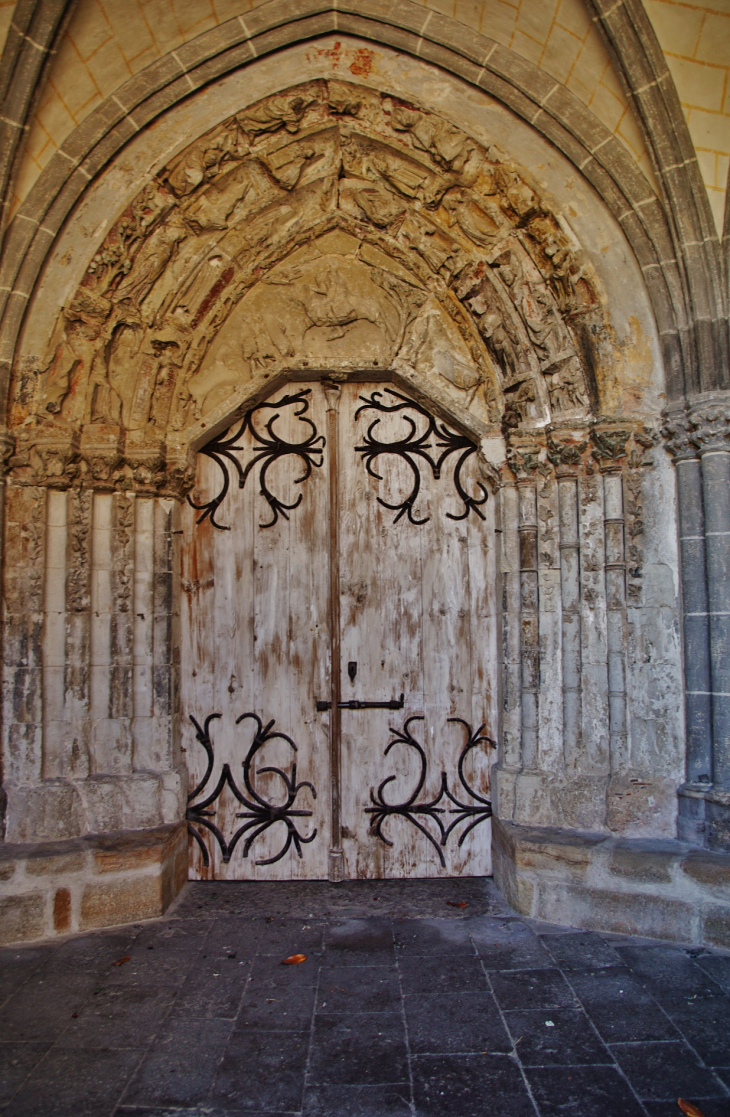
{"x": 653, "y": 888}
{"x": 54, "y": 888}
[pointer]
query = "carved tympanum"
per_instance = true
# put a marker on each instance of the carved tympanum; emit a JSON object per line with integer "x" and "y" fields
{"x": 325, "y": 226}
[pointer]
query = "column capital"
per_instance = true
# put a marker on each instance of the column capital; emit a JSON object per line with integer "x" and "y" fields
{"x": 698, "y": 426}
{"x": 609, "y": 447}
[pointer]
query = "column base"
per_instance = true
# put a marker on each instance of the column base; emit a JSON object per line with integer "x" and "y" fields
{"x": 704, "y": 816}
{"x": 81, "y": 884}
{"x": 631, "y": 886}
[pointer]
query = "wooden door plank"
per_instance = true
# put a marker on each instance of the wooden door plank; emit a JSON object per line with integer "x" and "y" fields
{"x": 252, "y": 644}
{"x": 380, "y": 577}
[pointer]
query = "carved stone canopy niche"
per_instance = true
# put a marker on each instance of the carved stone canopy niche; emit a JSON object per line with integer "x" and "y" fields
{"x": 326, "y": 227}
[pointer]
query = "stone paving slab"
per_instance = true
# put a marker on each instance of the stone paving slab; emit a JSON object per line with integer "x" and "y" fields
{"x": 419, "y": 998}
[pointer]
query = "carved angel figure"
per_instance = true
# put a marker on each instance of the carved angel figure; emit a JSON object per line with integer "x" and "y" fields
{"x": 558, "y": 264}
{"x": 447, "y": 145}
{"x": 203, "y": 160}
{"x": 566, "y": 386}
{"x": 501, "y": 335}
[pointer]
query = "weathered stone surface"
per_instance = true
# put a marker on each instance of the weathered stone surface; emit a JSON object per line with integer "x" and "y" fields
{"x": 62, "y": 910}
{"x": 716, "y": 926}
{"x": 22, "y": 917}
{"x": 624, "y": 913}
{"x": 644, "y": 861}
{"x": 640, "y": 803}
{"x": 120, "y": 901}
{"x": 51, "y": 859}
{"x": 630, "y": 886}
{"x": 131, "y": 851}
{"x": 547, "y": 849}
{"x": 121, "y": 877}
{"x": 710, "y": 869}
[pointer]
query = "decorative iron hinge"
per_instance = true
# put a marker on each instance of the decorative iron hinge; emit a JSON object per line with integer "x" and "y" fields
{"x": 432, "y": 810}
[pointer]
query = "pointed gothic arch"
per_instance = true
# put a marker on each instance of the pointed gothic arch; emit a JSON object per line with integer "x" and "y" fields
{"x": 324, "y": 211}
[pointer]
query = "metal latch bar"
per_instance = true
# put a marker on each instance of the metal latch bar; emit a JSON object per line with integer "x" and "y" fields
{"x": 357, "y": 704}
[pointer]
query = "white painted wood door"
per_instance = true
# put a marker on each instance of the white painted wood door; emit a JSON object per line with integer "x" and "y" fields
{"x": 347, "y": 570}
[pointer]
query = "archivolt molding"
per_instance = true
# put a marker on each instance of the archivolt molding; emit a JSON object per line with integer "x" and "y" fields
{"x": 33, "y": 36}
{"x": 550, "y": 108}
{"x": 326, "y": 227}
{"x": 642, "y": 68}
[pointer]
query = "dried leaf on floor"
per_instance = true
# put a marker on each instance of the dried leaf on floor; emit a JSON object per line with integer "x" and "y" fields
{"x": 689, "y": 1109}
{"x": 121, "y": 961}
{"x": 294, "y": 959}
{"x": 456, "y": 903}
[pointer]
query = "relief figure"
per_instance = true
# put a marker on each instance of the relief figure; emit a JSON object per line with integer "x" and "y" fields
{"x": 151, "y": 261}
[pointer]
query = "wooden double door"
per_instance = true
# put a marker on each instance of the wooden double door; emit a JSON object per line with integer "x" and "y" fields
{"x": 338, "y": 642}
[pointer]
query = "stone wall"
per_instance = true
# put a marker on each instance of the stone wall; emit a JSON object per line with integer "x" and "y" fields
{"x": 655, "y": 889}
{"x": 55, "y": 888}
{"x": 593, "y": 733}
{"x": 91, "y": 659}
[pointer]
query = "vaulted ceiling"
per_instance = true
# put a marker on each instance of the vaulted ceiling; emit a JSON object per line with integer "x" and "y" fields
{"x": 108, "y": 41}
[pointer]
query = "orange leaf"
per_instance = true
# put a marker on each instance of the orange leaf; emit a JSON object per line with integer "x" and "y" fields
{"x": 689, "y": 1109}
{"x": 456, "y": 903}
{"x": 294, "y": 960}
{"x": 121, "y": 961}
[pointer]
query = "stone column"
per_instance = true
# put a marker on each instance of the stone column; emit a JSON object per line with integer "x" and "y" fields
{"x": 565, "y": 454}
{"x": 550, "y": 695}
{"x": 699, "y": 439}
{"x": 510, "y": 759}
{"x": 613, "y": 522}
{"x": 529, "y": 622}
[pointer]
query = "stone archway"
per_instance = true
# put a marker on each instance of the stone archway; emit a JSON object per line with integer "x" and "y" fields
{"x": 332, "y": 226}
{"x": 476, "y": 280}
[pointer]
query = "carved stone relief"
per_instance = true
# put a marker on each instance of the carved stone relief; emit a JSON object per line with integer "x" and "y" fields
{"x": 326, "y": 226}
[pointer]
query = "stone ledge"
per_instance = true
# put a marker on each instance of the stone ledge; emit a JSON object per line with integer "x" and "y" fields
{"x": 100, "y": 880}
{"x": 648, "y": 887}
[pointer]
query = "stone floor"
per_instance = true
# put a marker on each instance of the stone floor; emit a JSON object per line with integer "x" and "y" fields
{"x": 421, "y": 997}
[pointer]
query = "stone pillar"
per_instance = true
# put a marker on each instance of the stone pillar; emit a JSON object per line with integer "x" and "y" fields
{"x": 55, "y": 732}
{"x": 510, "y": 759}
{"x": 529, "y": 622}
{"x": 699, "y": 439}
{"x": 613, "y": 505}
{"x": 41, "y": 806}
{"x": 570, "y": 592}
{"x": 550, "y": 697}
{"x": 610, "y": 450}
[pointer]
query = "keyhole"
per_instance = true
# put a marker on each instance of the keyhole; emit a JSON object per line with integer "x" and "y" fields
{"x": 352, "y": 670}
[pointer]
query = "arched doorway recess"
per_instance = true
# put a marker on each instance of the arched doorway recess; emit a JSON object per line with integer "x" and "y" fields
{"x": 335, "y": 226}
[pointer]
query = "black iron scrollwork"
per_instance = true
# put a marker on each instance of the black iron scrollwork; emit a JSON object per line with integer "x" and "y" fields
{"x": 259, "y": 813}
{"x": 268, "y": 447}
{"x": 415, "y": 448}
{"x": 414, "y": 812}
